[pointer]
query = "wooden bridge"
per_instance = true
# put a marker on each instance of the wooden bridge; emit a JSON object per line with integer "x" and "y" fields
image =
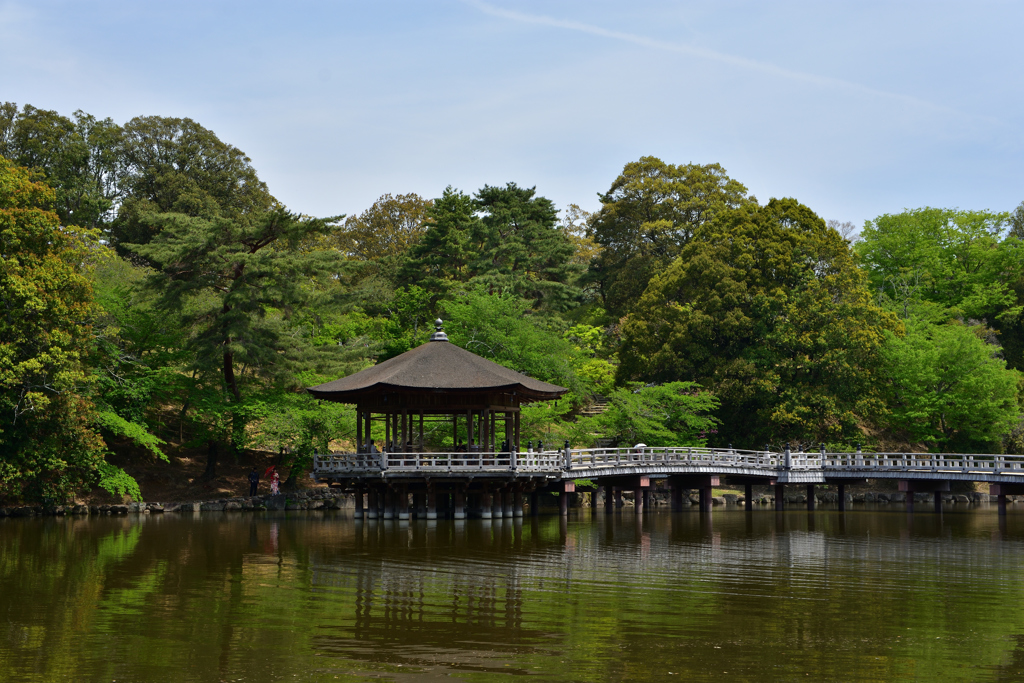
{"x": 494, "y": 484}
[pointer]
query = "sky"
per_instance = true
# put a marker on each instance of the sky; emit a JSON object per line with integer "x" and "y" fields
{"x": 855, "y": 109}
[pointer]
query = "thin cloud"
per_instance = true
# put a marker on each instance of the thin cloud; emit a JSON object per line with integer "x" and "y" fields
{"x": 712, "y": 55}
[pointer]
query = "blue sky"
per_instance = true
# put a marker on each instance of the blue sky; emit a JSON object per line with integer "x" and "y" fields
{"x": 854, "y": 108}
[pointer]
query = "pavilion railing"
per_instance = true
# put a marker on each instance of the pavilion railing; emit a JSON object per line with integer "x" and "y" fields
{"x": 342, "y": 463}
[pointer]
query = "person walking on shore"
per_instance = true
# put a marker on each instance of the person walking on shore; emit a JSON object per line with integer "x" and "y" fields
{"x": 254, "y": 481}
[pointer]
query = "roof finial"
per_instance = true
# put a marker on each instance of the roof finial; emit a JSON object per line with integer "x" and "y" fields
{"x": 439, "y": 334}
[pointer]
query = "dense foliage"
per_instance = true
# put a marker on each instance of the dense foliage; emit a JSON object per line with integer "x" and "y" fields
{"x": 687, "y": 310}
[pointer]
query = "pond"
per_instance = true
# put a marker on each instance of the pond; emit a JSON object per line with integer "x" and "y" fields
{"x": 865, "y": 595}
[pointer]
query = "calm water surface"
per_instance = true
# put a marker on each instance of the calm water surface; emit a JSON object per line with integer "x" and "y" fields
{"x": 867, "y": 595}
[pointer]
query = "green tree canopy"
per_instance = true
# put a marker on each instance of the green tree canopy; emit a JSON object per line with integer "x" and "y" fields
{"x": 387, "y": 229}
{"x": 766, "y": 309}
{"x": 80, "y": 158}
{"x": 48, "y": 447}
{"x": 236, "y": 285}
{"x": 648, "y": 214}
{"x": 956, "y": 261}
{"x": 504, "y": 238}
{"x": 173, "y": 165}
{"x": 948, "y": 388}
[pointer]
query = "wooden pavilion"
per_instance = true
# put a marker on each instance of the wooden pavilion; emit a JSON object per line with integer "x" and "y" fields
{"x": 438, "y": 381}
{"x": 444, "y": 386}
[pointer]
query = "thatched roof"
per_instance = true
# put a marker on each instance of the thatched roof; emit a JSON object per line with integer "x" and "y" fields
{"x": 438, "y": 366}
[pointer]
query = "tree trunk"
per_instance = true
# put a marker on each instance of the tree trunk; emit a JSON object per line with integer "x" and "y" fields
{"x": 229, "y": 374}
{"x": 211, "y": 461}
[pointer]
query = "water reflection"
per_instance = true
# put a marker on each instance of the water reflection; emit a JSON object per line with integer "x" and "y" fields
{"x": 873, "y": 595}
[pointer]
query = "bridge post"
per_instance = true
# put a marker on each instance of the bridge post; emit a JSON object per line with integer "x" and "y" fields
{"x": 677, "y": 496}
{"x": 748, "y": 497}
{"x": 780, "y": 497}
{"x": 431, "y": 502}
{"x": 389, "y": 504}
{"x": 1001, "y": 498}
{"x": 638, "y": 500}
{"x": 706, "y": 498}
{"x": 1003, "y": 490}
{"x": 517, "y": 501}
{"x": 609, "y": 499}
{"x": 938, "y": 501}
{"x": 910, "y": 501}
{"x": 842, "y": 497}
{"x": 647, "y": 498}
{"x": 618, "y": 497}
{"x": 534, "y": 503}
{"x": 359, "y": 504}
{"x": 498, "y": 505}
{"x": 593, "y": 497}
{"x": 459, "y": 503}
{"x": 374, "y": 504}
{"x": 563, "y": 503}
{"x": 403, "y": 502}
{"x": 810, "y": 497}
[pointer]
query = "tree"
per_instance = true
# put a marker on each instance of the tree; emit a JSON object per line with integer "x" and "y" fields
{"x": 766, "y": 309}
{"x": 672, "y": 414}
{"x": 518, "y": 248}
{"x": 513, "y": 245}
{"x": 48, "y": 445}
{"x": 389, "y": 228}
{"x": 648, "y": 214}
{"x": 79, "y": 157}
{"x": 177, "y": 166}
{"x": 948, "y": 388}
{"x": 956, "y": 261}
{"x": 235, "y": 283}
{"x": 440, "y": 259}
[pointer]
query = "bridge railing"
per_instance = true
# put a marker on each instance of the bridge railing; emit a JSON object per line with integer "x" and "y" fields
{"x": 555, "y": 462}
{"x": 964, "y": 462}
{"x": 363, "y": 463}
{"x": 606, "y": 458}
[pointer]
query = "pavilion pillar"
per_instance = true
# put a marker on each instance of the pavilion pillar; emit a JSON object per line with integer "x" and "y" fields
{"x": 515, "y": 428}
{"x": 469, "y": 430}
{"x": 421, "y": 431}
{"x": 405, "y": 432}
{"x": 387, "y": 430}
{"x": 359, "y": 429}
{"x": 369, "y": 437}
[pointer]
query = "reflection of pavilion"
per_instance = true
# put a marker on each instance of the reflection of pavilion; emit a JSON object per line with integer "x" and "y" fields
{"x": 438, "y": 386}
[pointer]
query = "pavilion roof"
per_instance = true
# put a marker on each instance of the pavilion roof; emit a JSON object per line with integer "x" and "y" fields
{"x": 437, "y": 366}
